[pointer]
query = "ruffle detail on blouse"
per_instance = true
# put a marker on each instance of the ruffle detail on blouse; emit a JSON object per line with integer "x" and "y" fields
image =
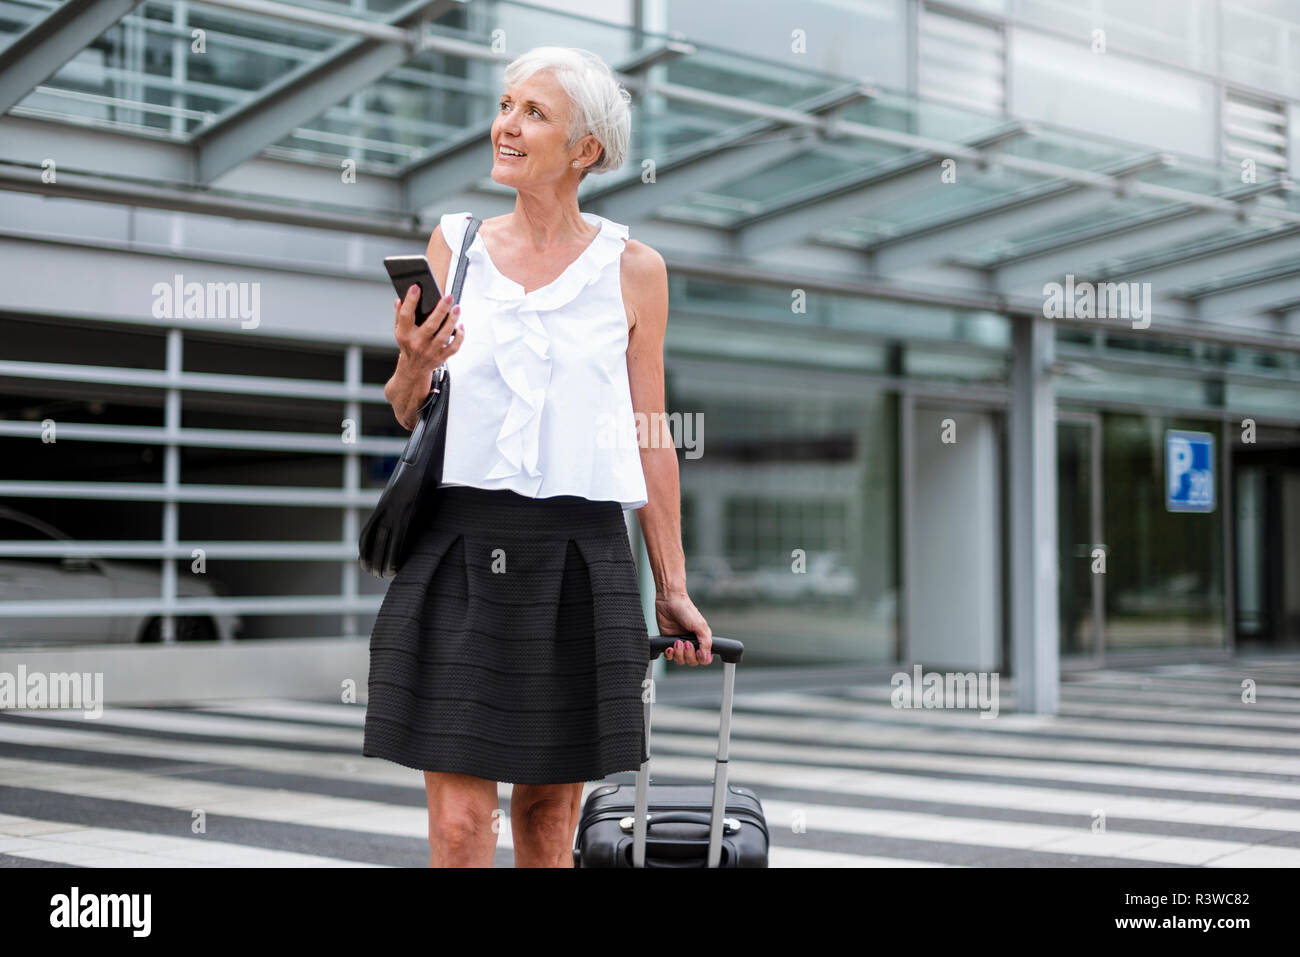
{"x": 523, "y": 360}
{"x": 522, "y": 346}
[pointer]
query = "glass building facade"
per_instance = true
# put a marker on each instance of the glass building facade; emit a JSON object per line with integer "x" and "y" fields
{"x": 884, "y": 426}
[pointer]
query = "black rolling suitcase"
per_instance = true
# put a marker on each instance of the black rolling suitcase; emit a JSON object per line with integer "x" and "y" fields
{"x": 676, "y": 825}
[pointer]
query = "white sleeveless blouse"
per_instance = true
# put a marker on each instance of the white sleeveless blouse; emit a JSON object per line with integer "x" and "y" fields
{"x": 540, "y": 398}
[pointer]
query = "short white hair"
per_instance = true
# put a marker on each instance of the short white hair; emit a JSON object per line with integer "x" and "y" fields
{"x": 598, "y": 103}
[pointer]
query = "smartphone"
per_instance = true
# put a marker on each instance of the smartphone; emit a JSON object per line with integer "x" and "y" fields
{"x": 408, "y": 271}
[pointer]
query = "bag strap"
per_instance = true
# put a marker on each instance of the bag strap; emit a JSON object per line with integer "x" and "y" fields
{"x": 458, "y": 282}
{"x": 463, "y": 264}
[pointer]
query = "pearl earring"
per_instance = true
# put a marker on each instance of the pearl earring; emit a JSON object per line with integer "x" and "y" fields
{"x": 575, "y": 162}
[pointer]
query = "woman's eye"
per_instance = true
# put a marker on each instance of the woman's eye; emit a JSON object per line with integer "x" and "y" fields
{"x": 533, "y": 110}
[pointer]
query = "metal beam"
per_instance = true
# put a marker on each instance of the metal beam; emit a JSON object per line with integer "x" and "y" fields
{"x": 644, "y": 59}
{"x": 795, "y": 221}
{"x": 940, "y": 238}
{"x": 1273, "y": 290}
{"x": 724, "y": 103}
{"x": 207, "y": 438}
{"x": 636, "y": 200}
{"x": 155, "y": 163}
{"x": 304, "y": 93}
{"x": 295, "y": 495}
{"x": 325, "y": 302}
{"x": 451, "y": 169}
{"x": 26, "y": 140}
{"x": 724, "y": 158}
{"x": 1133, "y": 236}
{"x": 321, "y": 20}
{"x": 42, "y": 49}
{"x": 66, "y": 374}
{"x": 1212, "y": 260}
{"x": 1167, "y": 322}
{"x": 80, "y": 186}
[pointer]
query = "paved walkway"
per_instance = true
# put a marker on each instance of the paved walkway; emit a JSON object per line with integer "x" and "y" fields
{"x": 1180, "y": 771}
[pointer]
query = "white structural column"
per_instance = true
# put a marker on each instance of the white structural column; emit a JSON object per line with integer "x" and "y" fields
{"x": 1035, "y": 639}
{"x": 171, "y": 485}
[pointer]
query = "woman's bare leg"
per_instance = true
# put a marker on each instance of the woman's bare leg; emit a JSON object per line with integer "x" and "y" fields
{"x": 543, "y": 819}
{"x": 460, "y": 819}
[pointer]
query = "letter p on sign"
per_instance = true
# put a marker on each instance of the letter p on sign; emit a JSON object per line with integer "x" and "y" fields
{"x": 1189, "y": 471}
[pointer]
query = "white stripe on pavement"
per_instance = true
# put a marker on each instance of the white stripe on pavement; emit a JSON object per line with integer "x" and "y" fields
{"x": 795, "y": 728}
{"x": 207, "y": 725}
{"x": 1022, "y": 837}
{"x": 63, "y": 843}
{"x": 1010, "y": 723}
{"x": 1011, "y": 797}
{"x": 295, "y": 807}
{"x": 841, "y": 760}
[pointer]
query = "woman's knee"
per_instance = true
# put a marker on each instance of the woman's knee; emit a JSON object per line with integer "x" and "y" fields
{"x": 546, "y": 814}
{"x": 461, "y": 808}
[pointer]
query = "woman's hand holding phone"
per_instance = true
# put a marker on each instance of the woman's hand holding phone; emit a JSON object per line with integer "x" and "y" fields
{"x": 426, "y": 346}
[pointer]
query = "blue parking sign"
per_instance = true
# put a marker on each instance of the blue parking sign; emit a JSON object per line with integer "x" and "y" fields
{"x": 1189, "y": 471}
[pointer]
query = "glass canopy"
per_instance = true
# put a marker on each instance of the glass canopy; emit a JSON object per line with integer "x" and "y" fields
{"x": 763, "y": 157}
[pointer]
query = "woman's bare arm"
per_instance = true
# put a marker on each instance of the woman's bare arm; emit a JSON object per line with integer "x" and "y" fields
{"x": 421, "y": 349}
{"x": 645, "y": 290}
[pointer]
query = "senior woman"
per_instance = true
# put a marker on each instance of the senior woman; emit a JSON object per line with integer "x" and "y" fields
{"x": 511, "y": 646}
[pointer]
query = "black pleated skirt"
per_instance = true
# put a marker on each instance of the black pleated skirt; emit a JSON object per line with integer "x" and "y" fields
{"x": 512, "y": 644}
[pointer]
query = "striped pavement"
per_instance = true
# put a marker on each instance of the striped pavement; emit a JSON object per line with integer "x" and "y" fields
{"x": 1159, "y": 767}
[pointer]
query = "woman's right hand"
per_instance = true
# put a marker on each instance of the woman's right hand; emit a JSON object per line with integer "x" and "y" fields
{"x": 426, "y": 346}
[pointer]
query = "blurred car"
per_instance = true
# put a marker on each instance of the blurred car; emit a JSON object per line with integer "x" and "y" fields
{"x": 830, "y": 577}
{"x": 712, "y": 578}
{"x": 782, "y": 583}
{"x": 825, "y": 576}
{"x": 54, "y": 579}
{"x": 1174, "y": 594}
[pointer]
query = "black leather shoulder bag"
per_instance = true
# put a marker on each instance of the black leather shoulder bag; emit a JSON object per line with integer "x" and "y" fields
{"x": 412, "y": 489}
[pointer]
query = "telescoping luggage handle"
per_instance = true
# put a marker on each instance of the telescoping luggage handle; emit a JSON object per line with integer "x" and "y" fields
{"x": 730, "y": 651}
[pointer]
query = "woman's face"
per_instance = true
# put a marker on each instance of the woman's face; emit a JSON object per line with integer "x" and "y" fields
{"x": 533, "y": 118}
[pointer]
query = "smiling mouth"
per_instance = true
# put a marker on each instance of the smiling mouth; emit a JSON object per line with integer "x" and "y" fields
{"x": 501, "y": 151}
